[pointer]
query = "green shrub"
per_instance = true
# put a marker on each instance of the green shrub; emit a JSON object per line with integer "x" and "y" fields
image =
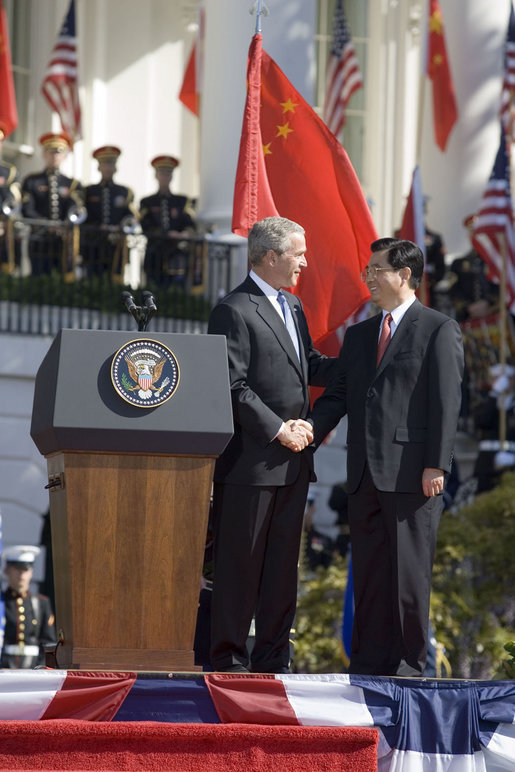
{"x": 509, "y": 664}
{"x": 318, "y": 644}
{"x": 98, "y": 293}
{"x": 473, "y": 599}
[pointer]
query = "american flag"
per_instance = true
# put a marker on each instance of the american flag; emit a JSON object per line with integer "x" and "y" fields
{"x": 508, "y": 86}
{"x": 343, "y": 73}
{"x": 494, "y": 234}
{"x": 60, "y": 84}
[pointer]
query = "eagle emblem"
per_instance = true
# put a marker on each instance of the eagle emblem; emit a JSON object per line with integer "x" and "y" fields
{"x": 145, "y": 370}
{"x": 145, "y": 373}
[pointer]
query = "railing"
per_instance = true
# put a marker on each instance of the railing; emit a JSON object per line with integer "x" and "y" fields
{"x": 59, "y": 275}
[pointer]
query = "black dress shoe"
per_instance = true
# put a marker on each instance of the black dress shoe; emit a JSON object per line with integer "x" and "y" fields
{"x": 232, "y": 669}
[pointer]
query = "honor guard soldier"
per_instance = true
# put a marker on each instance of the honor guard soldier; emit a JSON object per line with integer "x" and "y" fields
{"x": 111, "y": 216}
{"x": 166, "y": 218}
{"x": 473, "y": 294}
{"x": 10, "y": 202}
{"x": 29, "y": 620}
{"x": 50, "y": 195}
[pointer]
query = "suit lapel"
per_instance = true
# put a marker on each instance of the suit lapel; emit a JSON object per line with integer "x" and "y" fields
{"x": 403, "y": 331}
{"x": 270, "y": 317}
{"x": 296, "y": 311}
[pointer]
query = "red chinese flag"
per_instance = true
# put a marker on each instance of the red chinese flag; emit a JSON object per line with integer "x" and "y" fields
{"x": 188, "y": 93}
{"x": 291, "y": 164}
{"x": 445, "y": 112}
{"x": 8, "y": 109}
{"x": 252, "y": 196}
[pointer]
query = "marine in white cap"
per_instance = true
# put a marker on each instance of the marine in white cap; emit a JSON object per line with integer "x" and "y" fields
{"x": 29, "y": 619}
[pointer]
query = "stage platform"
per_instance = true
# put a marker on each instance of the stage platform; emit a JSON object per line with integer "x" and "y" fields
{"x": 410, "y": 724}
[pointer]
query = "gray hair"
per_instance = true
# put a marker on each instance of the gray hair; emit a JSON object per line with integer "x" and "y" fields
{"x": 272, "y": 233}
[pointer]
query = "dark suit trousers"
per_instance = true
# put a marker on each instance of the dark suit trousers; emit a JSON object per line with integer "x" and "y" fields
{"x": 257, "y": 532}
{"x": 393, "y": 537}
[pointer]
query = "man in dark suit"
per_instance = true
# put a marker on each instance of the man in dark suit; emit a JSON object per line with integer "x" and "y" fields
{"x": 402, "y": 410}
{"x": 260, "y": 485}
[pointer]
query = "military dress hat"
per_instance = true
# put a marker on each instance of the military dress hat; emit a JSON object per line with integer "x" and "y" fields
{"x": 21, "y": 556}
{"x": 164, "y": 162}
{"x": 106, "y": 153}
{"x": 61, "y": 141}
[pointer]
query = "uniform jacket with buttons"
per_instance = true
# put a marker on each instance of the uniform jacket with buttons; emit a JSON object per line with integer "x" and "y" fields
{"x": 161, "y": 213}
{"x": 108, "y": 203}
{"x": 36, "y": 201}
{"x": 9, "y": 185}
{"x": 29, "y": 621}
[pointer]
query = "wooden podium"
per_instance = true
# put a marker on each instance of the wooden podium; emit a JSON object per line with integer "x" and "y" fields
{"x": 129, "y": 490}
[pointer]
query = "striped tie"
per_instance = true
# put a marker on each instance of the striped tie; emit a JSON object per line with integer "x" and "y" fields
{"x": 288, "y": 320}
{"x": 384, "y": 338}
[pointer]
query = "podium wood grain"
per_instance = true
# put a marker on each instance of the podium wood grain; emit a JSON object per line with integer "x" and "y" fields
{"x": 128, "y": 536}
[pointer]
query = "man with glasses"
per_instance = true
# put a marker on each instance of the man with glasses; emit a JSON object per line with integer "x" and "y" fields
{"x": 400, "y": 386}
{"x": 260, "y": 485}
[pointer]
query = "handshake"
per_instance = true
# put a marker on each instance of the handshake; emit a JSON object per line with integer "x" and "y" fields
{"x": 296, "y": 434}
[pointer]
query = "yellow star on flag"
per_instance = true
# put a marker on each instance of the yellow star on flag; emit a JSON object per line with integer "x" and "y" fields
{"x": 435, "y": 22}
{"x": 289, "y": 106}
{"x": 284, "y": 130}
{"x": 266, "y": 149}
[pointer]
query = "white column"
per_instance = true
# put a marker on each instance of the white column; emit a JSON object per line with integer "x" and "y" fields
{"x": 456, "y": 179}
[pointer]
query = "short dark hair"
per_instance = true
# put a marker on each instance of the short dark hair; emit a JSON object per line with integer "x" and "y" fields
{"x": 402, "y": 253}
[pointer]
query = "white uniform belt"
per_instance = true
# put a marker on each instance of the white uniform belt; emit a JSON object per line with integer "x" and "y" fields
{"x": 496, "y": 445}
{"x": 22, "y": 651}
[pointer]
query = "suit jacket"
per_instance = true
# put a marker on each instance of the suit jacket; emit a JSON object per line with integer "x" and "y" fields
{"x": 268, "y": 383}
{"x": 402, "y": 415}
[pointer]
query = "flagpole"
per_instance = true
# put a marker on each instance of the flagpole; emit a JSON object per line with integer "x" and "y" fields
{"x": 260, "y": 11}
{"x": 422, "y": 82}
{"x": 502, "y": 340}
{"x": 423, "y": 293}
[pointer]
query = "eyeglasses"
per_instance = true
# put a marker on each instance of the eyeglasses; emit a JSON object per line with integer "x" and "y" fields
{"x": 371, "y": 271}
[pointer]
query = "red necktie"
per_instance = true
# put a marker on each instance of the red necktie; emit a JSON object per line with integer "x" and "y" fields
{"x": 384, "y": 338}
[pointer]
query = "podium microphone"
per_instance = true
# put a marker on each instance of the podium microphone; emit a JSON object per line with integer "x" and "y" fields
{"x": 149, "y": 303}
{"x": 130, "y": 305}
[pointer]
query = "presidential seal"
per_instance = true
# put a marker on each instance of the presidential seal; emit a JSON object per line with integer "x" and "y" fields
{"x": 145, "y": 373}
